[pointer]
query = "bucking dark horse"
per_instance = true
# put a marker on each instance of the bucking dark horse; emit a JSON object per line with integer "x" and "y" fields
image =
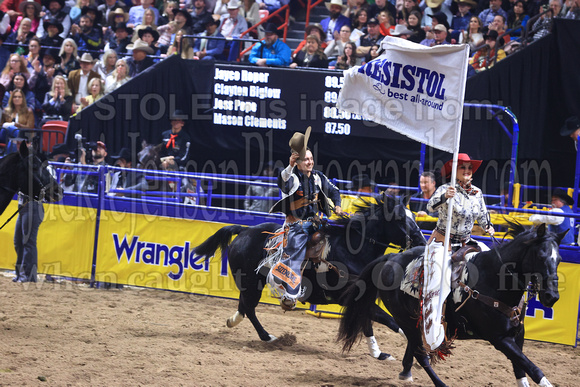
{"x": 354, "y": 242}
{"x": 23, "y": 171}
{"x": 488, "y": 306}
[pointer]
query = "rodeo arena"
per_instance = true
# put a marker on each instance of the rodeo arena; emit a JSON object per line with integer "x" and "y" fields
{"x": 289, "y": 192}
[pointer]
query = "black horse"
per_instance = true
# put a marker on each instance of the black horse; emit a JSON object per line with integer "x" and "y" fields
{"x": 23, "y": 171}
{"x": 354, "y": 242}
{"x": 501, "y": 274}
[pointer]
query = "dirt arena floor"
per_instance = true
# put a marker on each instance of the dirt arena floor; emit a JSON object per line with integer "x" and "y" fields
{"x": 66, "y": 334}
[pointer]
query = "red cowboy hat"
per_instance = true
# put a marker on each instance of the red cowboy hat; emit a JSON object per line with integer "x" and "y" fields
{"x": 461, "y": 158}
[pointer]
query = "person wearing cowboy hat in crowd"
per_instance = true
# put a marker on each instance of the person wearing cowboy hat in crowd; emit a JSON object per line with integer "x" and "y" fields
{"x": 53, "y": 30}
{"x": 271, "y": 51}
{"x": 209, "y": 48}
{"x": 136, "y": 13}
{"x": 460, "y": 21}
{"x": 332, "y": 24}
{"x": 382, "y": 5}
{"x": 12, "y": 8}
{"x": 571, "y": 129}
{"x": 434, "y": 7}
{"x": 121, "y": 40}
{"x": 79, "y": 79}
{"x": 304, "y": 197}
{"x": 233, "y": 24}
{"x": 86, "y": 35}
{"x": 29, "y": 9}
{"x": 107, "y": 8}
{"x": 365, "y": 189}
{"x": 126, "y": 179}
{"x": 313, "y": 29}
{"x": 140, "y": 59}
{"x": 149, "y": 36}
{"x": 56, "y": 11}
{"x": 482, "y": 59}
{"x": 42, "y": 75}
{"x": 561, "y": 203}
{"x": 468, "y": 206}
{"x": 401, "y": 31}
{"x": 147, "y": 24}
{"x": 197, "y": 19}
{"x": 176, "y": 142}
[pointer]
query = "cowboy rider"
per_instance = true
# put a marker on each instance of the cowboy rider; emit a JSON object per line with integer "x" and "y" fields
{"x": 304, "y": 196}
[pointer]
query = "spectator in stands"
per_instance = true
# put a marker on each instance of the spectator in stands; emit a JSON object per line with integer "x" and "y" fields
{"x": 499, "y": 24}
{"x": 348, "y": 59}
{"x": 86, "y": 36}
{"x": 571, "y": 129}
{"x": 106, "y": 65}
{"x": 176, "y": 142}
{"x": 373, "y": 54}
{"x": 149, "y": 36}
{"x": 116, "y": 16}
{"x": 408, "y": 7}
{"x": 16, "y": 64}
{"x": 19, "y": 82}
{"x": 168, "y": 14}
{"x": 55, "y": 11}
{"x": 136, "y": 13}
{"x": 119, "y": 77}
{"x": 4, "y": 23}
{"x": 311, "y": 55}
{"x": 76, "y": 11}
{"x": 107, "y": 7}
{"x": 434, "y": 7}
{"x": 140, "y": 61}
{"x": 90, "y": 183}
{"x": 42, "y": 75}
{"x": 313, "y": 29}
{"x": 373, "y": 37}
{"x": 483, "y": 58}
{"x": 489, "y": 14}
{"x": 220, "y": 9}
{"x": 386, "y": 23}
{"x": 271, "y": 51}
{"x": 148, "y": 23}
{"x": 95, "y": 90}
{"x": 52, "y": 36}
{"x": 359, "y": 24}
{"x": 352, "y": 8}
{"x": 127, "y": 179}
{"x": 473, "y": 36}
{"x": 17, "y": 115}
{"x": 332, "y": 24}
{"x": 78, "y": 80}
{"x": 439, "y": 37}
{"x": 182, "y": 46}
{"x": 11, "y": 8}
{"x": 460, "y": 21}
{"x": 58, "y": 102}
{"x": 414, "y": 24}
{"x": 233, "y": 24}
{"x": 517, "y": 18}
{"x": 251, "y": 11}
{"x": 272, "y": 5}
{"x": 209, "y": 48}
{"x": 561, "y": 203}
{"x": 166, "y": 32}
{"x": 29, "y": 9}
{"x": 382, "y": 5}
{"x": 574, "y": 12}
{"x": 401, "y": 31}
{"x": 33, "y": 52}
{"x": 262, "y": 205}
{"x": 21, "y": 37}
{"x": 543, "y": 26}
{"x": 565, "y": 5}
{"x": 121, "y": 40}
{"x": 336, "y": 46}
{"x": 197, "y": 20}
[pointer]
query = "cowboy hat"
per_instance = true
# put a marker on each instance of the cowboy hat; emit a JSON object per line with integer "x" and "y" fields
{"x": 310, "y": 27}
{"x": 491, "y": 34}
{"x": 471, "y": 3}
{"x": 233, "y": 4}
{"x": 60, "y": 149}
{"x": 53, "y": 53}
{"x": 117, "y": 12}
{"x": 178, "y": 114}
{"x": 122, "y": 26}
{"x": 441, "y": 18}
{"x": 563, "y": 195}
{"x": 140, "y": 45}
{"x": 270, "y": 28}
{"x": 360, "y": 181}
{"x": 87, "y": 58}
{"x": 22, "y": 6}
{"x": 53, "y": 22}
{"x": 401, "y": 29}
{"x": 188, "y": 18}
{"x": 334, "y": 2}
{"x": 440, "y": 27}
{"x": 92, "y": 8}
{"x": 433, "y": 3}
{"x": 150, "y": 30}
{"x": 570, "y": 126}
{"x": 299, "y": 142}
{"x": 461, "y": 159}
{"x": 124, "y": 154}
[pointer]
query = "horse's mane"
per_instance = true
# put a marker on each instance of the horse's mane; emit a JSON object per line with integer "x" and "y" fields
{"x": 523, "y": 236}
{"x": 365, "y": 208}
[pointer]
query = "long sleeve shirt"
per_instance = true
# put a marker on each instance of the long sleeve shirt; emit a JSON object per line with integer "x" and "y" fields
{"x": 278, "y": 54}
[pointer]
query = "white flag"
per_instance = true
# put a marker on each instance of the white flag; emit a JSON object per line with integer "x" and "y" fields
{"x": 415, "y": 90}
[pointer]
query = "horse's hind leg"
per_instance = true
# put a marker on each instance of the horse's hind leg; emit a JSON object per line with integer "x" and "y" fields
{"x": 407, "y": 364}
{"x": 249, "y": 299}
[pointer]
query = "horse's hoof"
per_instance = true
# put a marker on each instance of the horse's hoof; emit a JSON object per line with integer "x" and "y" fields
{"x": 406, "y": 377}
{"x": 402, "y": 334}
{"x": 271, "y": 339}
{"x": 386, "y": 356}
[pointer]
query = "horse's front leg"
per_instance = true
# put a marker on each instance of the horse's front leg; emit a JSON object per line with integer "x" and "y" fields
{"x": 374, "y": 349}
{"x": 513, "y": 351}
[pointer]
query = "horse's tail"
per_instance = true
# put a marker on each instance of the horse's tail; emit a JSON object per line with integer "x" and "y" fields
{"x": 358, "y": 302}
{"x": 220, "y": 240}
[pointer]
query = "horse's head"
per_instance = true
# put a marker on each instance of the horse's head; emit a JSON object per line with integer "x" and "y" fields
{"x": 543, "y": 263}
{"x": 33, "y": 177}
{"x": 148, "y": 157}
